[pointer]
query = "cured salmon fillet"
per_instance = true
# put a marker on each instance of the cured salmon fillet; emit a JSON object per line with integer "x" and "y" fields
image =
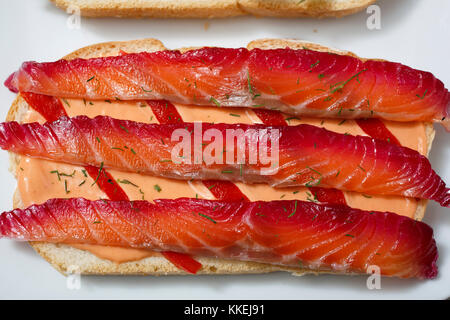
{"x": 299, "y": 82}
{"x": 289, "y": 233}
{"x": 307, "y": 155}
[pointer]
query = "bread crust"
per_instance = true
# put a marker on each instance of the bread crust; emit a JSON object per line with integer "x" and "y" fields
{"x": 307, "y": 8}
{"x": 214, "y": 8}
{"x": 67, "y": 259}
{"x": 154, "y": 8}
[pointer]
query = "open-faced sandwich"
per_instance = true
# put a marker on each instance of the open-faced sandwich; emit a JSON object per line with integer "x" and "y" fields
{"x": 283, "y": 156}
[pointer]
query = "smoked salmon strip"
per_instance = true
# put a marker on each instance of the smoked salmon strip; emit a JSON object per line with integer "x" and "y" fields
{"x": 280, "y": 156}
{"x": 287, "y": 233}
{"x": 298, "y": 82}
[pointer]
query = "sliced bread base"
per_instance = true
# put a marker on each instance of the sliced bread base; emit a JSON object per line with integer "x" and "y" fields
{"x": 154, "y": 8}
{"x": 213, "y": 8}
{"x": 305, "y": 8}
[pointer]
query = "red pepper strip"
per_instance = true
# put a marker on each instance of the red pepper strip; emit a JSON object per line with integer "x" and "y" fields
{"x": 51, "y": 109}
{"x": 377, "y": 129}
{"x": 329, "y": 196}
{"x": 271, "y": 117}
{"x": 183, "y": 261}
{"x": 225, "y": 190}
{"x": 164, "y": 111}
{"x": 323, "y": 195}
{"x": 107, "y": 184}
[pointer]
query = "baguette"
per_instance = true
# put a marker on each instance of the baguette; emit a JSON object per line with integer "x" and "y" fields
{"x": 214, "y": 8}
{"x": 64, "y": 257}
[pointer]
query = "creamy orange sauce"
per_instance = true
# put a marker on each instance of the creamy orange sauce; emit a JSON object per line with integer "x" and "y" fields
{"x": 116, "y": 254}
{"x": 36, "y": 183}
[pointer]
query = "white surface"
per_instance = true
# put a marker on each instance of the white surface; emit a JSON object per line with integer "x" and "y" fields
{"x": 414, "y": 32}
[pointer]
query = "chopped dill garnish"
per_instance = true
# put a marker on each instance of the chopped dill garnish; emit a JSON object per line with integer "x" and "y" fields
{"x": 313, "y": 65}
{"x": 143, "y": 194}
{"x": 215, "y": 101}
{"x": 207, "y": 217}
{"x": 125, "y": 181}
{"x": 99, "y": 173}
{"x": 295, "y": 210}
{"x": 312, "y": 184}
{"x": 62, "y": 174}
{"x": 422, "y": 97}
{"x": 250, "y": 89}
{"x": 313, "y": 170}
{"x": 65, "y": 187}
{"x": 340, "y": 85}
{"x": 157, "y": 188}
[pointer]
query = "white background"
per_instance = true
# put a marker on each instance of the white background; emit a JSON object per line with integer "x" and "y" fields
{"x": 414, "y": 32}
